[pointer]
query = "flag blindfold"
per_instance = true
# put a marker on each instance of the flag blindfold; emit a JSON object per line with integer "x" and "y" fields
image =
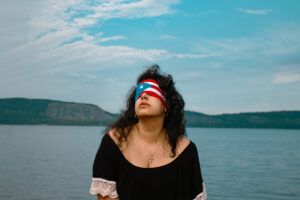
{"x": 150, "y": 87}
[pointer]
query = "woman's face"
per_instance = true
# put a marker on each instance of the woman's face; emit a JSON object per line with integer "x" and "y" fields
{"x": 147, "y": 105}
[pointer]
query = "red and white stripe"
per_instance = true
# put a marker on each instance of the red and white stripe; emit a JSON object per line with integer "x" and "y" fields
{"x": 154, "y": 90}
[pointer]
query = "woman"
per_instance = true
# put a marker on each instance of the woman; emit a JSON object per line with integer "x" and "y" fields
{"x": 145, "y": 154}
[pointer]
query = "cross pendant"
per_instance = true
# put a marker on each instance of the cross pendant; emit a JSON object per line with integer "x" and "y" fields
{"x": 150, "y": 160}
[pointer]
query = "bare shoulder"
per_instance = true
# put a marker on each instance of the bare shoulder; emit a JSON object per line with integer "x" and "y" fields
{"x": 114, "y": 134}
{"x": 183, "y": 142}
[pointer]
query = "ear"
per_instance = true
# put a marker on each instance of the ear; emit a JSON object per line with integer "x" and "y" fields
{"x": 166, "y": 107}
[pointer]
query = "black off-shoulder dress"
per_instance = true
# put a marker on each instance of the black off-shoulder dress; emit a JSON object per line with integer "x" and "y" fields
{"x": 115, "y": 176}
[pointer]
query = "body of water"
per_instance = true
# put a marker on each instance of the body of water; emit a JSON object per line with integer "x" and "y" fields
{"x": 55, "y": 162}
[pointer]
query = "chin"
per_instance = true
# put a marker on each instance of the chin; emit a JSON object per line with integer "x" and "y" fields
{"x": 144, "y": 115}
{"x": 147, "y": 114}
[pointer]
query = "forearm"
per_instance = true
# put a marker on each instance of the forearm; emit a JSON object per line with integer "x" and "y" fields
{"x": 105, "y": 198}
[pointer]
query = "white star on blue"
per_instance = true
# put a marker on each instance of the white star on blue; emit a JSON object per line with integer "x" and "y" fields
{"x": 140, "y": 88}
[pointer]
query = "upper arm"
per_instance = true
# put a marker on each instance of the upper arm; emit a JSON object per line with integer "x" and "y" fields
{"x": 198, "y": 185}
{"x": 105, "y": 170}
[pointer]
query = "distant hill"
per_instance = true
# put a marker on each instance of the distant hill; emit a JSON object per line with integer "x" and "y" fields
{"x": 53, "y": 112}
{"x": 43, "y": 111}
{"x": 274, "y": 119}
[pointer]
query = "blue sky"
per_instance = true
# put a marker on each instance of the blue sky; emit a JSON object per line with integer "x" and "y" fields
{"x": 225, "y": 56}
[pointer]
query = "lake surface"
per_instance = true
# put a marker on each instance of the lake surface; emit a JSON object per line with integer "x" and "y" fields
{"x": 55, "y": 162}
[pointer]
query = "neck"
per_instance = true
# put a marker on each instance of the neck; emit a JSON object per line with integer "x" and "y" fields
{"x": 151, "y": 128}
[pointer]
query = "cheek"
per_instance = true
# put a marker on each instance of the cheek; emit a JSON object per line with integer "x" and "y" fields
{"x": 158, "y": 105}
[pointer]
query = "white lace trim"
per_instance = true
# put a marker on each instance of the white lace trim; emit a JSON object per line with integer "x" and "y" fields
{"x": 202, "y": 195}
{"x": 104, "y": 187}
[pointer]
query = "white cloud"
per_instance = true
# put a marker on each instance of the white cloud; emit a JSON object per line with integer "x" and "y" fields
{"x": 286, "y": 77}
{"x": 56, "y": 42}
{"x": 52, "y": 50}
{"x": 113, "y": 38}
{"x": 198, "y": 14}
{"x": 256, "y": 11}
{"x": 177, "y": 55}
{"x": 167, "y": 37}
{"x": 45, "y": 48}
{"x": 266, "y": 45}
{"x": 81, "y": 22}
{"x": 124, "y": 9}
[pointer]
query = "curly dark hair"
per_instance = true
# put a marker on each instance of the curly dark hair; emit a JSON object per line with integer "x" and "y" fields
{"x": 174, "y": 121}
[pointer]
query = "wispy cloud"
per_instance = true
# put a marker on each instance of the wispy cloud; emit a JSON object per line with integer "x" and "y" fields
{"x": 177, "y": 55}
{"x": 122, "y": 9}
{"x": 267, "y": 45}
{"x": 167, "y": 37}
{"x": 58, "y": 42}
{"x": 198, "y": 14}
{"x": 286, "y": 77}
{"x": 113, "y": 38}
{"x": 256, "y": 11}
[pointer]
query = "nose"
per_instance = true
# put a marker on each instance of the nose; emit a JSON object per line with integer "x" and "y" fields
{"x": 144, "y": 95}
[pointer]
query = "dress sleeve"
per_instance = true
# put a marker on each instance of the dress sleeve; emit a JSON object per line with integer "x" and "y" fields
{"x": 104, "y": 178}
{"x": 199, "y": 185}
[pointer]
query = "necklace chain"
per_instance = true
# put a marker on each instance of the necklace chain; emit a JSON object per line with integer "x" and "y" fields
{"x": 151, "y": 158}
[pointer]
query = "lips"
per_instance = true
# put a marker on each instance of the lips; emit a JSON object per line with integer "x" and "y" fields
{"x": 144, "y": 104}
